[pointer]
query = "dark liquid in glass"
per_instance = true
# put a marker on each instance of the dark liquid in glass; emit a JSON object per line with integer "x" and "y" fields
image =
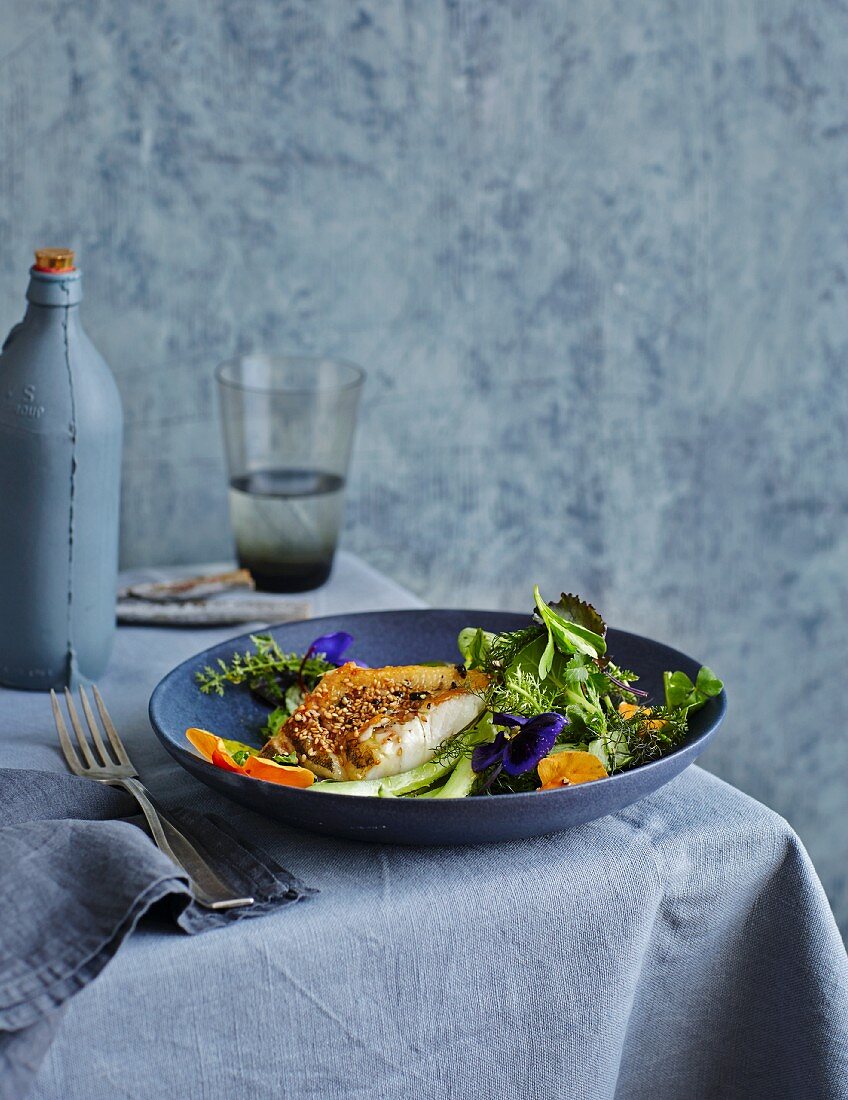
{"x": 286, "y": 524}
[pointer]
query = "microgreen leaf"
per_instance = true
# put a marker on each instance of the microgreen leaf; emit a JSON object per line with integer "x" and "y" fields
{"x": 681, "y": 694}
{"x": 577, "y": 670}
{"x": 708, "y": 683}
{"x": 547, "y": 658}
{"x": 678, "y": 688}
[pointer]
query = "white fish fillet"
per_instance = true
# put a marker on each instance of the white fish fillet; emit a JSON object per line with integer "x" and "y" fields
{"x": 371, "y": 723}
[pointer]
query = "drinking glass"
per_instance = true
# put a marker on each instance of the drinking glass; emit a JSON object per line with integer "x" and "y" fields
{"x": 288, "y": 427}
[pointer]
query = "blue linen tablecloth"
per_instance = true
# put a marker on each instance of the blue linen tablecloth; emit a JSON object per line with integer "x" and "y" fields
{"x": 682, "y": 948}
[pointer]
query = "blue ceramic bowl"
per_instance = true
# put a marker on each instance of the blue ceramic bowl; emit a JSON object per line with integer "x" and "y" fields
{"x": 409, "y": 637}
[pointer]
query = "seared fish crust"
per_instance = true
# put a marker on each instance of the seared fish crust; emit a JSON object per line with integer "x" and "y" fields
{"x": 366, "y": 723}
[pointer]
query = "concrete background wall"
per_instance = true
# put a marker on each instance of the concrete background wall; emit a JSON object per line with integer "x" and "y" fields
{"x": 593, "y": 255}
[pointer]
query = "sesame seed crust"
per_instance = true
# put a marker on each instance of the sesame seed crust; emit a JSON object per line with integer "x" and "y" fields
{"x": 334, "y": 727}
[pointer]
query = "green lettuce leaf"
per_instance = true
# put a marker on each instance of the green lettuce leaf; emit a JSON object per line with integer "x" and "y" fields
{"x": 566, "y": 635}
{"x": 578, "y": 611}
{"x": 474, "y": 644}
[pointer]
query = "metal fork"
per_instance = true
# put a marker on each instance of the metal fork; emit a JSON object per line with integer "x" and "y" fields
{"x": 117, "y": 770}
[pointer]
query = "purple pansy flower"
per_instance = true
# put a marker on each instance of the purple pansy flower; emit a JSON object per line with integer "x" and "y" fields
{"x": 522, "y": 751}
{"x": 332, "y": 647}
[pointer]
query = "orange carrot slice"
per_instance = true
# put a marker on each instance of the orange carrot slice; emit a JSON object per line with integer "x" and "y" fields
{"x": 261, "y": 768}
{"x": 222, "y": 759}
{"x": 205, "y": 742}
{"x": 215, "y": 749}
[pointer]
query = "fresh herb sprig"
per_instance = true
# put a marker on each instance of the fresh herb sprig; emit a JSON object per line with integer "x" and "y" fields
{"x": 264, "y": 667}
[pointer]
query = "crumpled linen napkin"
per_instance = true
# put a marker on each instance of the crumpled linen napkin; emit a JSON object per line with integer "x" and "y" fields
{"x": 75, "y": 880}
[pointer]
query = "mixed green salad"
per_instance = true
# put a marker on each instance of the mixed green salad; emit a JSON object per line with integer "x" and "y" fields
{"x": 557, "y": 710}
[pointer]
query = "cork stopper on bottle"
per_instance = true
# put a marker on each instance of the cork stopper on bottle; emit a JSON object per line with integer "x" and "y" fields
{"x": 54, "y": 259}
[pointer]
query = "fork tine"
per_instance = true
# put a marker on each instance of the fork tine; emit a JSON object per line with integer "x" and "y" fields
{"x": 82, "y": 740}
{"x": 68, "y": 749}
{"x": 114, "y": 740}
{"x": 95, "y": 732}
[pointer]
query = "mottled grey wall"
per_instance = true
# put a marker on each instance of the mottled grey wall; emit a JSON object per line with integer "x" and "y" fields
{"x": 592, "y": 253}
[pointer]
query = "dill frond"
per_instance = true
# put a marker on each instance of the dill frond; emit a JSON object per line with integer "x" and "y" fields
{"x": 452, "y": 750}
{"x": 644, "y": 737}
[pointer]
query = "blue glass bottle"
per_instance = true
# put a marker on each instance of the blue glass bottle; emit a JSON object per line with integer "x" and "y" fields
{"x": 60, "y": 467}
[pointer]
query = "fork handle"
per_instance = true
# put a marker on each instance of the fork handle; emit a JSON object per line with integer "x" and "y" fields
{"x": 207, "y": 888}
